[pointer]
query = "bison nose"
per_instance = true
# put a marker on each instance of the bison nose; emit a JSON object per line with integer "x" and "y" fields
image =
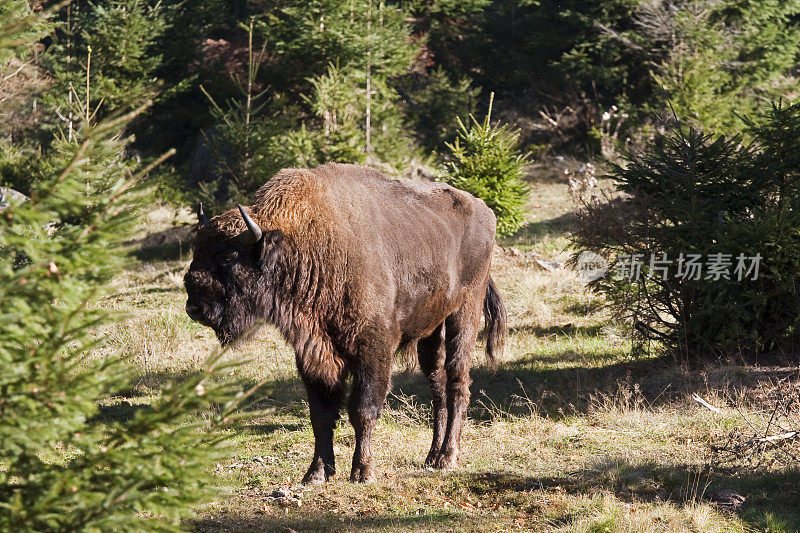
{"x": 197, "y": 311}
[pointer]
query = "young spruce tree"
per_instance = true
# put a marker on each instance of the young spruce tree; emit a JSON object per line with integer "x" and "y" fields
{"x": 64, "y": 464}
{"x": 484, "y": 161}
{"x": 729, "y": 207}
{"x": 350, "y": 54}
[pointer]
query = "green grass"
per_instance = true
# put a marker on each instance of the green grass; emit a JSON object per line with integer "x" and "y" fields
{"x": 570, "y": 434}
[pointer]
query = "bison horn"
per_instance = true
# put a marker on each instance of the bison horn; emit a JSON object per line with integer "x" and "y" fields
{"x": 255, "y": 231}
{"x": 201, "y": 217}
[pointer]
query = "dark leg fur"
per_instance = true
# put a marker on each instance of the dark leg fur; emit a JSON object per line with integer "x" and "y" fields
{"x": 431, "y": 354}
{"x": 461, "y": 331}
{"x": 324, "y": 405}
{"x": 370, "y": 387}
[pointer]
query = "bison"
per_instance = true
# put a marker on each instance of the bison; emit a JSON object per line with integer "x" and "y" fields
{"x": 352, "y": 267}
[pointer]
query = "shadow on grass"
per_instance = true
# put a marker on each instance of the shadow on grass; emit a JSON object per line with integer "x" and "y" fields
{"x": 570, "y": 384}
{"x": 534, "y": 231}
{"x": 522, "y": 385}
{"x": 557, "y": 386}
{"x": 173, "y": 251}
{"x": 269, "y": 428}
{"x": 161, "y": 290}
{"x": 169, "y": 244}
{"x": 283, "y": 396}
{"x": 515, "y": 388}
{"x": 585, "y": 307}
{"x": 562, "y": 329}
{"x": 334, "y": 522}
{"x": 286, "y": 394}
{"x": 152, "y": 381}
{"x": 149, "y": 291}
{"x": 768, "y": 494}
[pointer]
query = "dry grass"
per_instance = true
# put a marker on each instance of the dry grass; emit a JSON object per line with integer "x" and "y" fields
{"x": 570, "y": 434}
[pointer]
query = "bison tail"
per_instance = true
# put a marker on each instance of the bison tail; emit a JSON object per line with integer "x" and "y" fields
{"x": 495, "y": 313}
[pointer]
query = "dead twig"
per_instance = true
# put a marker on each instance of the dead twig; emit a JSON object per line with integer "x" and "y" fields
{"x": 782, "y": 436}
{"x": 760, "y": 447}
{"x": 705, "y": 404}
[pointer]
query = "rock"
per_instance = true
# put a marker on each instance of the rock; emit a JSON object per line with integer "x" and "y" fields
{"x": 281, "y": 493}
{"x": 285, "y": 497}
{"x": 548, "y": 265}
{"x": 728, "y": 499}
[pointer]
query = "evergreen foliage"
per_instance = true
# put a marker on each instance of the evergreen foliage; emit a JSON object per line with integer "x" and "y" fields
{"x": 250, "y": 142}
{"x": 696, "y": 193}
{"x": 717, "y": 58}
{"x": 434, "y": 101}
{"x": 484, "y": 161}
{"x": 71, "y": 459}
{"x": 346, "y": 104}
{"x": 711, "y": 59}
{"x": 21, "y": 27}
{"x": 114, "y": 43}
{"x": 358, "y": 47}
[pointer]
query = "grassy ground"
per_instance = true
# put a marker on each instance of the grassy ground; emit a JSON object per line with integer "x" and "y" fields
{"x": 570, "y": 434}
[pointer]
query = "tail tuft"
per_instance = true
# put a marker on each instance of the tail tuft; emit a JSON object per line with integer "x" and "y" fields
{"x": 495, "y": 313}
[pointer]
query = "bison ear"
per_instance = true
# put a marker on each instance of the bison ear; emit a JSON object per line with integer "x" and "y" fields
{"x": 266, "y": 249}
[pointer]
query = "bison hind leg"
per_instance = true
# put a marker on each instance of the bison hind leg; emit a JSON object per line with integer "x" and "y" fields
{"x": 461, "y": 332}
{"x": 431, "y": 355}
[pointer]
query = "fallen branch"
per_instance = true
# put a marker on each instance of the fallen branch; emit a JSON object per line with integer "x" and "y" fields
{"x": 782, "y": 436}
{"x": 9, "y": 76}
{"x": 763, "y": 445}
{"x": 705, "y": 404}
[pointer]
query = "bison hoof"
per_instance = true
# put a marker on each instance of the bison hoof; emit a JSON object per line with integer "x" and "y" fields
{"x": 362, "y": 474}
{"x": 432, "y": 455}
{"x": 318, "y": 472}
{"x": 446, "y": 460}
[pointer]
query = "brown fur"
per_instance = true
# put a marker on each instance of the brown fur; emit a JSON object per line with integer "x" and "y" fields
{"x": 351, "y": 267}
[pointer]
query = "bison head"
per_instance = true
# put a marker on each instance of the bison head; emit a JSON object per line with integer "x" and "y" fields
{"x": 228, "y": 281}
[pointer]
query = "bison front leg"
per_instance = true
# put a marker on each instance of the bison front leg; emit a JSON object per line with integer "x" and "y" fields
{"x": 370, "y": 386}
{"x": 323, "y": 403}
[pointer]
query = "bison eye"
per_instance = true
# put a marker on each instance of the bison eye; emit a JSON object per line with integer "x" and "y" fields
{"x": 225, "y": 258}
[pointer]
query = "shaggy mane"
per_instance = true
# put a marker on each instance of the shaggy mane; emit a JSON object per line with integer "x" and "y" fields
{"x": 311, "y": 286}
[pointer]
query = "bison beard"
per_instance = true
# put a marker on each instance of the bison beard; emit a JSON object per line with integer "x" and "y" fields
{"x": 351, "y": 267}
